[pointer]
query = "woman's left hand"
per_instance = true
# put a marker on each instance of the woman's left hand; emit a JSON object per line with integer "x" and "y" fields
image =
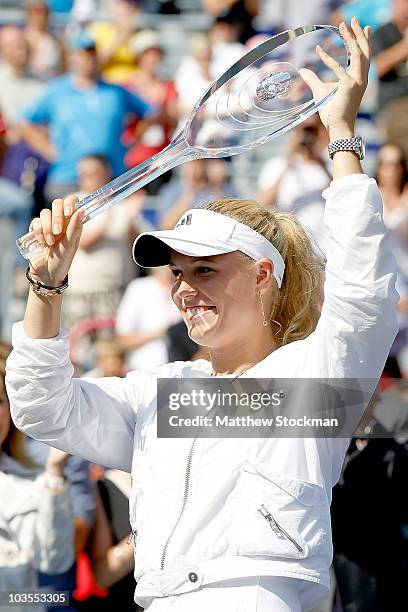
{"x": 339, "y": 114}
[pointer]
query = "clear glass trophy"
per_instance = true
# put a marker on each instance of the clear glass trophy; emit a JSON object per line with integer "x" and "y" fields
{"x": 258, "y": 98}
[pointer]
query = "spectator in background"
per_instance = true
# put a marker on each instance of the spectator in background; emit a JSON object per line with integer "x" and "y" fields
{"x": 159, "y": 93}
{"x": 390, "y": 48}
{"x": 290, "y": 180}
{"x": 60, "y": 6}
{"x": 17, "y": 87}
{"x": 200, "y": 181}
{"x": 144, "y": 315}
{"x": 238, "y": 12}
{"x": 22, "y": 169}
{"x": 114, "y": 40}
{"x": 103, "y": 267}
{"x": 2, "y": 141}
{"x": 392, "y": 179}
{"x": 194, "y": 75}
{"x": 111, "y": 550}
{"x": 284, "y": 14}
{"x": 47, "y": 54}
{"x": 84, "y": 115}
{"x": 109, "y": 359}
{"x": 369, "y": 12}
{"x": 370, "y": 562}
{"x": 226, "y": 48}
{"x": 294, "y": 183}
{"x": 36, "y": 526}
{"x": 21, "y": 164}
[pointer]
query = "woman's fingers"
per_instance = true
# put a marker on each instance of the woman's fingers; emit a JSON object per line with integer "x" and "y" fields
{"x": 362, "y": 36}
{"x": 358, "y": 43}
{"x": 46, "y": 222}
{"x": 37, "y": 228}
{"x": 51, "y": 223}
{"x": 69, "y": 204}
{"x": 351, "y": 42}
{"x": 331, "y": 63}
{"x": 311, "y": 79}
{"x": 359, "y": 48}
{"x": 74, "y": 228}
{"x": 57, "y": 216}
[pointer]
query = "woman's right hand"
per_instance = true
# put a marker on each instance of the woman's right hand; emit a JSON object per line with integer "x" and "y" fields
{"x": 59, "y": 230}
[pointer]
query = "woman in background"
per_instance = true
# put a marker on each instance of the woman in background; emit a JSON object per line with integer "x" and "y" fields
{"x": 36, "y": 525}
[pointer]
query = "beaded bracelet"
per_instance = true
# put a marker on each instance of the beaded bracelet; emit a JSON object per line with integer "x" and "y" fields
{"x": 41, "y": 289}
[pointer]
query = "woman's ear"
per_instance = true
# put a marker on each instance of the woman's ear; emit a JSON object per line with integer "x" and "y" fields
{"x": 264, "y": 273}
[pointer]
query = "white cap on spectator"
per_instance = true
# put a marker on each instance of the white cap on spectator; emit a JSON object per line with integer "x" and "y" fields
{"x": 202, "y": 233}
{"x": 146, "y": 39}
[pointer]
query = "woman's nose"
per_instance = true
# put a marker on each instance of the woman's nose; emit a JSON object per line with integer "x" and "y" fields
{"x": 184, "y": 289}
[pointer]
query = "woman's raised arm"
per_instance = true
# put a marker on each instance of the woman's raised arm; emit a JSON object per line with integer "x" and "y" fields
{"x": 358, "y": 322}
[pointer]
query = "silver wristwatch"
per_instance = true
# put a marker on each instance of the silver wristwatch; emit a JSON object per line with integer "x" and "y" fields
{"x": 348, "y": 144}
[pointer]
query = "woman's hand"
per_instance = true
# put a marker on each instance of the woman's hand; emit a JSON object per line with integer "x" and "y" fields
{"x": 339, "y": 115}
{"x": 59, "y": 230}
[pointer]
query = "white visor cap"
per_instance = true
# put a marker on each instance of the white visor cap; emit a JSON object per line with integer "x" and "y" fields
{"x": 202, "y": 233}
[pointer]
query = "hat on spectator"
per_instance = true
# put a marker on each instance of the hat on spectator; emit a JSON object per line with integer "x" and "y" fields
{"x": 203, "y": 233}
{"x": 147, "y": 39}
{"x": 82, "y": 42}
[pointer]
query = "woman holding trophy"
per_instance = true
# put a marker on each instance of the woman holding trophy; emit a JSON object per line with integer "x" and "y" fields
{"x": 201, "y": 542}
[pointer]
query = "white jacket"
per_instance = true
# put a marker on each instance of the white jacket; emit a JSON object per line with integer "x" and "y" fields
{"x": 194, "y": 506}
{"x": 36, "y": 529}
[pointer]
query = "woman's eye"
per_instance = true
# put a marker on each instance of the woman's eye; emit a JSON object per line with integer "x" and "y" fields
{"x": 176, "y": 273}
{"x": 204, "y": 269}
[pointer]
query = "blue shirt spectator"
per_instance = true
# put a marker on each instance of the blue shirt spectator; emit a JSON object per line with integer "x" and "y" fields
{"x": 84, "y": 115}
{"x": 84, "y": 121}
{"x": 369, "y": 12}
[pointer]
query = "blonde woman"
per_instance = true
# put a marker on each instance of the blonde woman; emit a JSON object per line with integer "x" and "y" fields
{"x": 249, "y": 288}
{"x": 36, "y": 525}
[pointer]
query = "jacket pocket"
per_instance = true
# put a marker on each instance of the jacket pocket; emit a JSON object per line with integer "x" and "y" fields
{"x": 141, "y": 535}
{"x": 278, "y": 516}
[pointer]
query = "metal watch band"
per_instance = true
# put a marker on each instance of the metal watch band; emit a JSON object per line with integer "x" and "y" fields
{"x": 356, "y": 145}
{"x": 40, "y": 289}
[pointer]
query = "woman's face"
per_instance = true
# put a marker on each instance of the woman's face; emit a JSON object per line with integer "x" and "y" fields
{"x": 150, "y": 60}
{"x": 5, "y": 418}
{"x": 217, "y": 296}
{"x": 389, "y": 166}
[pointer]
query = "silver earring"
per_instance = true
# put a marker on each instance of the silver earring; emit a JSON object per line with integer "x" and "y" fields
{"x": 264, "y": 322}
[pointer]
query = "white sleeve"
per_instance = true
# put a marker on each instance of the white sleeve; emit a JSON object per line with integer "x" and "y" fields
{"x": 358, "y": 322}
{"x": 91, "y": 418}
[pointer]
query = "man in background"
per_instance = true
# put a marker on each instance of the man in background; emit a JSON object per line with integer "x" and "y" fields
{"x": 83, "y": 115}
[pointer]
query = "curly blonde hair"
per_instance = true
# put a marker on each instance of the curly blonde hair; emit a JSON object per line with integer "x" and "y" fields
{"x": 296, "y": 305}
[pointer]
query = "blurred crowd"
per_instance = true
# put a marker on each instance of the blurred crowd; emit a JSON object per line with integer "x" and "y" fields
{"x": 89, "y": 89}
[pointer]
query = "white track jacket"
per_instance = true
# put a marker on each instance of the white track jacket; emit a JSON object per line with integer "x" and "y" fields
{"x": 194, "y": 504}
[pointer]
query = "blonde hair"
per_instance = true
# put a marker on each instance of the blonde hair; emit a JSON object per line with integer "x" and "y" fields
{"x": 14, "y": 444}
{"x": 296, "y": 305}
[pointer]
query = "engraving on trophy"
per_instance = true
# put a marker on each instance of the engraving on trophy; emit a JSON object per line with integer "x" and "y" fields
{"x": 273, "y": 86}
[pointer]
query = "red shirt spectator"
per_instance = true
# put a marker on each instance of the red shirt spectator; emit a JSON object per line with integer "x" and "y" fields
{"x": 159, "y": 93}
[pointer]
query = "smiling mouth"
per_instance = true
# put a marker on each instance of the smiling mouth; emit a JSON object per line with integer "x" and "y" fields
{"x": 198, "y": 311}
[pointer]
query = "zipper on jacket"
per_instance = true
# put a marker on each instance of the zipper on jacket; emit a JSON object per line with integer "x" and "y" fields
{"x": 184, "y": 502}
{"x": 274, "y": 525}
{"x": 132, "y": 536}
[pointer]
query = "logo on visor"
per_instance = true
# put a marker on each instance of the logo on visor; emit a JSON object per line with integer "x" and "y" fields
{"x": 185, "y": 220}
